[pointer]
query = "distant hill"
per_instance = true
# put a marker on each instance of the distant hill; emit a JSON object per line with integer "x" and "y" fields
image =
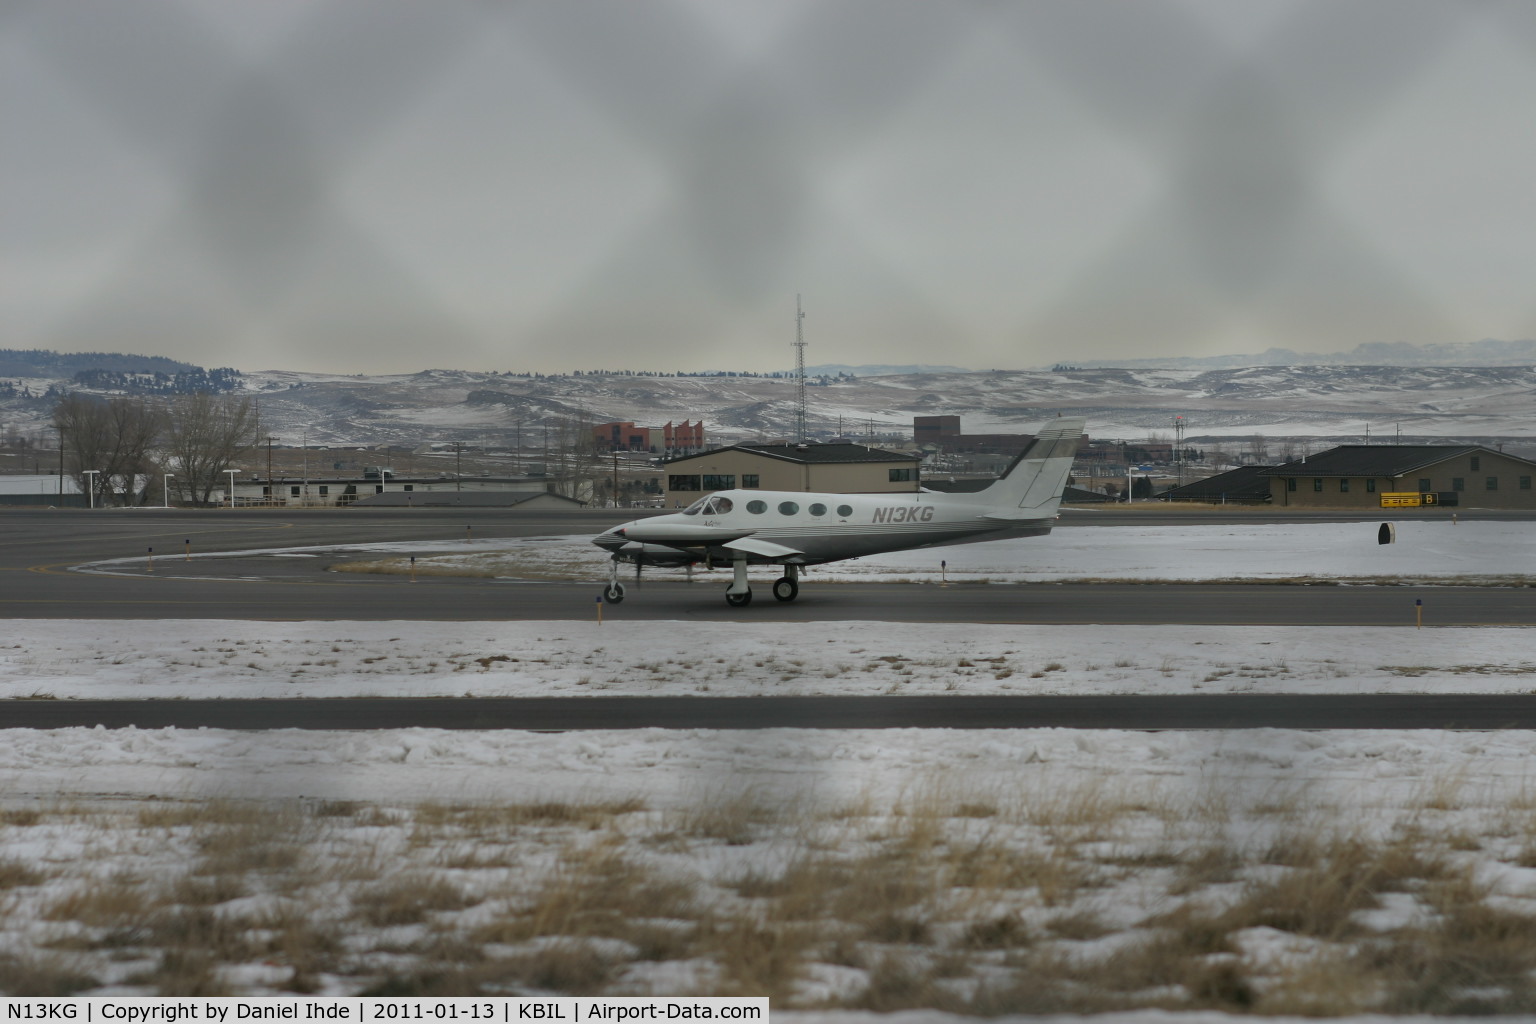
{"x": 38, "y": 362}
{"x": 1488, "y": 352}
{"x": 878, "y": 369}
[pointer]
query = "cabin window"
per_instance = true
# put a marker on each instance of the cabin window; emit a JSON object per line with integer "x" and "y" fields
{"x": 788, "y": 508}
{"x": 1492, "y": 483}
{"x": 818, "y": 509}
{"x": 718, "y": 506}
{"x": 749, "y": 480}
{"x": 718, "y": 481}
{"x": 683, "y": 482}
{"x": 696, "y": 507}
{"x": 900, "y": 475}
{"x": 757, "y": 508}
{"x": 847, "y": 510}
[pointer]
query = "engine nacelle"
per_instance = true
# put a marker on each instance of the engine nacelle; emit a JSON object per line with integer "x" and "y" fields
{"x": 686, "y": 534}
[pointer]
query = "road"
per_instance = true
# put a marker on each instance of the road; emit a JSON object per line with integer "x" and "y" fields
{"x": 38, "y": 549}
{"x": 1195, "y": 711}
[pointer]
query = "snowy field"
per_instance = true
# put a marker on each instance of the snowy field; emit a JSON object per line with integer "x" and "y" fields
{"x": 211, "y": 658}
{"x": 970, "y": 872}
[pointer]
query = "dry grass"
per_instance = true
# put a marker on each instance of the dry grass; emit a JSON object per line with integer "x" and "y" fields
{"x": 1008, "y": 900}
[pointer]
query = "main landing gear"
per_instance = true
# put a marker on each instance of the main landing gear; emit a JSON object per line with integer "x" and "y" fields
{"x": 785, "y": 588}
{"x": 739, "y": 593}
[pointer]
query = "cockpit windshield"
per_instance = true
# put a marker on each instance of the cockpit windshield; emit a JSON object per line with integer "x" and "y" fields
{"x": 710, "y": 505}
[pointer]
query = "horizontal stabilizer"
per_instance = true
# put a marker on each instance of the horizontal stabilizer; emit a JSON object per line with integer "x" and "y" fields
{"x": 764, "y": 548}
{"x": 1020, "y": 516}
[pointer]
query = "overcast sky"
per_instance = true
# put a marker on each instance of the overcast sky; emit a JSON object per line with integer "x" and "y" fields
{"x": 374, "y": 185}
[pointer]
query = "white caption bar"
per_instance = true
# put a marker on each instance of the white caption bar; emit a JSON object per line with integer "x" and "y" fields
{"x": 494, "y": 1009}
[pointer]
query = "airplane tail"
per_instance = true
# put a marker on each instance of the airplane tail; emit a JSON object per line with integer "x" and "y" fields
{"x": 1035, "y": 481}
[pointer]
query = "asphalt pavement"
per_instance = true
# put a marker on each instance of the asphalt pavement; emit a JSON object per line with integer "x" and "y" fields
{"x": 557, "y": 714}
{"x": 40, "y": 551}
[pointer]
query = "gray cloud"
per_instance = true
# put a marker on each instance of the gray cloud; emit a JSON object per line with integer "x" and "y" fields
{"x": 380, "y": 184}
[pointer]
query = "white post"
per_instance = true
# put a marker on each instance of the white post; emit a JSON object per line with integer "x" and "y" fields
{"x": 90, "y": 485}
{"x": 165, "y": 486}
{"x": 231, "y": 473}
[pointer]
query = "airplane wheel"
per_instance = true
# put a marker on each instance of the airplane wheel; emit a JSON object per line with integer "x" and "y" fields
{"x": 738, "y": 600}
{"x": 613, "y": 593}
{"x": 786, "y": 589}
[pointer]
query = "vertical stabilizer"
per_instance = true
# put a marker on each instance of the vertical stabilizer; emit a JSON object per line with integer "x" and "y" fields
{"x": 1038, "y": 477}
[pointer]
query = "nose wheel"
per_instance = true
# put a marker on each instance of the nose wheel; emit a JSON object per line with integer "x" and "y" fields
{"x": 786, "y": 589}
{"x": 740, "y": 600}
{"x": 613, "y": 593}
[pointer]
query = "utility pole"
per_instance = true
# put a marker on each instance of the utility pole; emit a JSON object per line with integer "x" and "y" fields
{"x": 271, "y": 484}
{"x": 1178, "y": 448}
{"x": 799, "y": 372}
{"x": 458, "y": 465}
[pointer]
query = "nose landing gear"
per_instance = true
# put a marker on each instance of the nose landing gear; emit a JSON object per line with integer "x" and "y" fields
{"x": 613, "y": 593}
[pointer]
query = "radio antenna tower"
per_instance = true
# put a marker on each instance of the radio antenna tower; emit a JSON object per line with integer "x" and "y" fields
{"x": 799, "y": 372}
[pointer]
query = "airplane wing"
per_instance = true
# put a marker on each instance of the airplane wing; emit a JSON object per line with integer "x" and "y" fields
{"x": 765, "y": 548}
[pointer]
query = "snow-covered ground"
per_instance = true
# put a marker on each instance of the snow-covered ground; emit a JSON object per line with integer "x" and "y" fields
{"x": 1007, "y": 871}
{"x": 210, "y": 658}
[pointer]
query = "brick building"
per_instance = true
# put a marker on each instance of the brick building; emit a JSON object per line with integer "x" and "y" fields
{"x": 624, "y": 436}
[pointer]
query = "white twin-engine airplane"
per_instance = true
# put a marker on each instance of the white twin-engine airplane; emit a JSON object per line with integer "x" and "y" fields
{"x": 794, "y": 528}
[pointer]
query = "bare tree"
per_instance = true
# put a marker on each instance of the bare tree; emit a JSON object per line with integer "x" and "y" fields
{"x": 109, "y": 444}
{"x": 85, "y": 437}
{"x": 207, "y": 435}
{"x": 136, "y": 427}
{"x": 1220, "y": 458}
{"x": 576, "y": 467}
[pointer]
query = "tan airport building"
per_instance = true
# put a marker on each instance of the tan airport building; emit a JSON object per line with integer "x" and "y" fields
{"x": 839, "y": 468}
{"x": 1357, "y": 476}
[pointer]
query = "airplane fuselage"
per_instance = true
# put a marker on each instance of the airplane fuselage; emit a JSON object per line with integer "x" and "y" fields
{"x": 817, "y": 527}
